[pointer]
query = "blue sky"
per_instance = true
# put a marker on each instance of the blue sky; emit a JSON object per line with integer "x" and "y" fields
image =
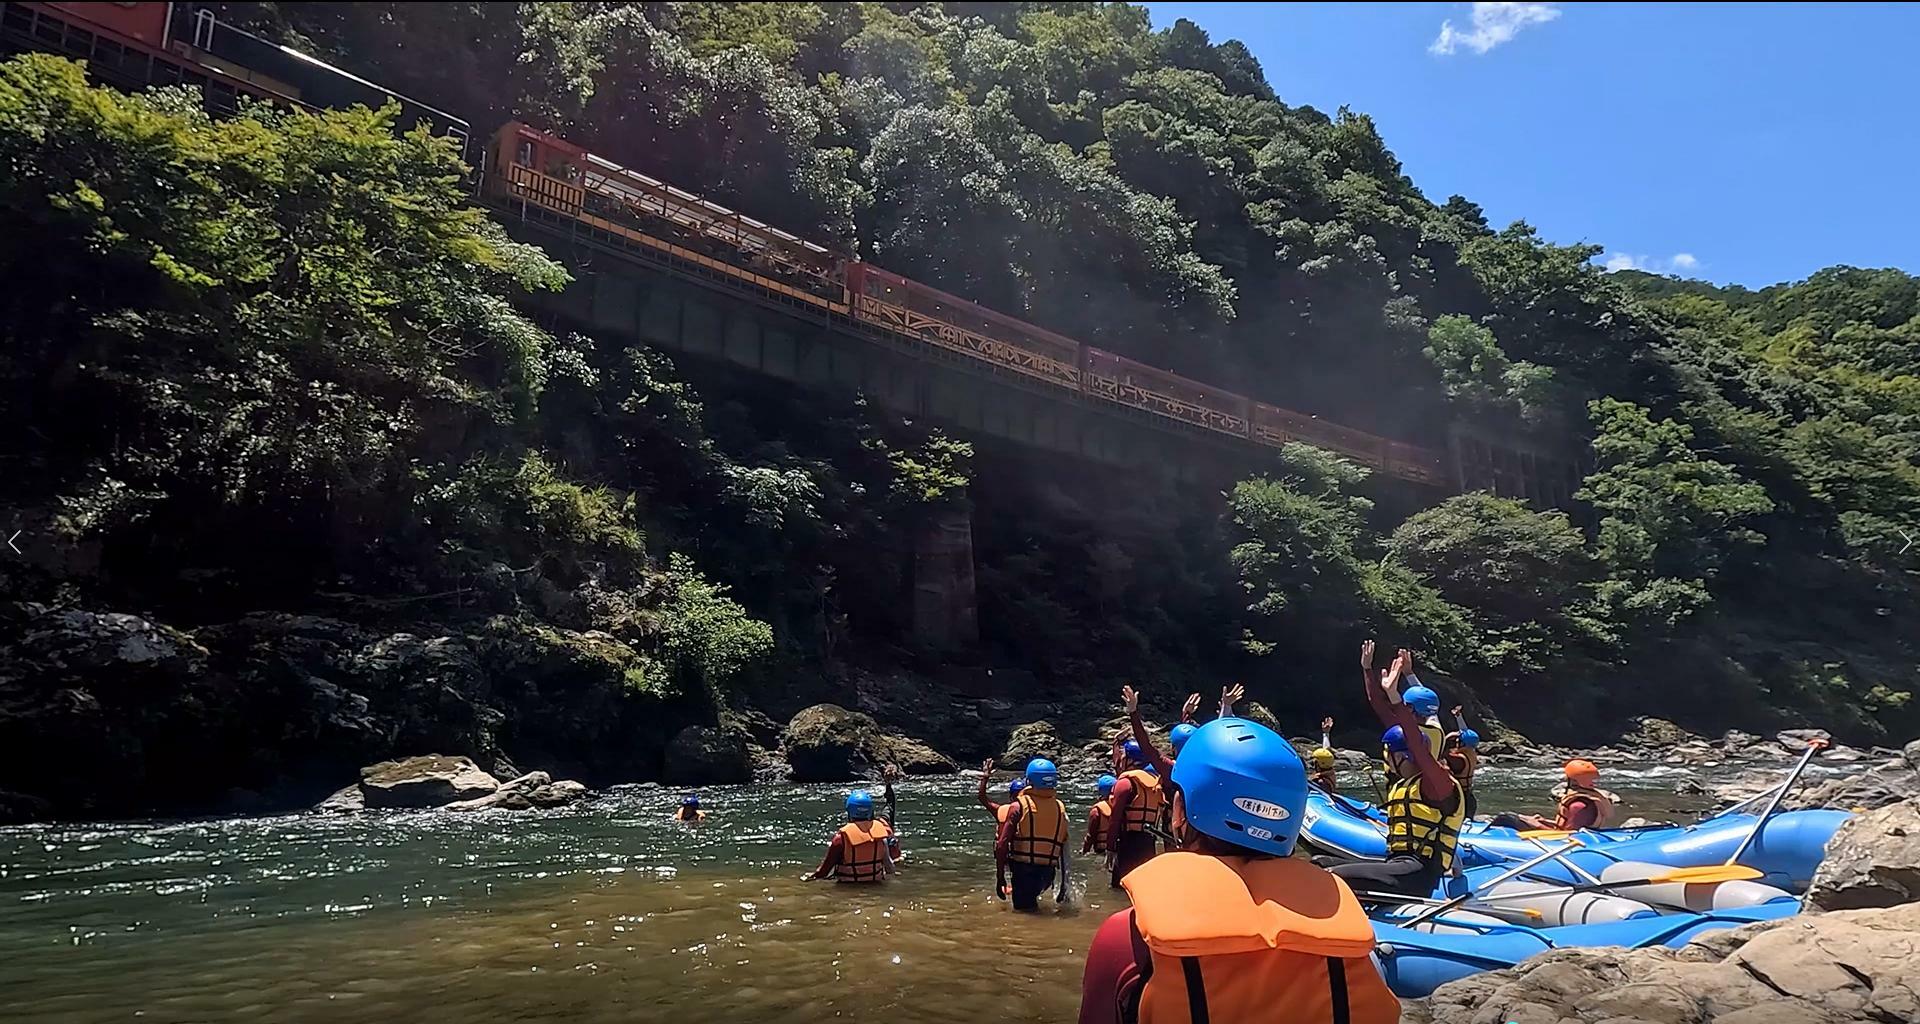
{"x": 1747, "y": 143}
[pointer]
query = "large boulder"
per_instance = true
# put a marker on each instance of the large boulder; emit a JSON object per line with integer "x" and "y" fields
{"x": 1853, "y": 966}
{"x": 1026, "y": 742}
{"x": 346, "y": 799}
{"x": 1872, "y": 861}
{"x": 828, "y": 743}
{"x": 428, "y": 781}
{"x": 701, "y": 755}
{"x": 557, "y": 794}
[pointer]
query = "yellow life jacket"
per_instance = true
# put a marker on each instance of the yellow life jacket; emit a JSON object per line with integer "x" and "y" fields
{"x": 1601, "y": 800}
{"x": 1098, "y": 821}
{"x": 1425, "y": 830}
{"x": 1144, "y": 810}
{"x": 1253, "y": 939}
{"x": 1040, "y": 835}
{"x": 867, "y": 852}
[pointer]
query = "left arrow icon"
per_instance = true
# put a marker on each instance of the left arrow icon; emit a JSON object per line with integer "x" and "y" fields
{"x": 11, "y": 544}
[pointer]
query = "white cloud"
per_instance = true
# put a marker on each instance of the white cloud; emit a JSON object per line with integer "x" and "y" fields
{"x": 1493, "y": 24}
{"x": 1678, "y": 263}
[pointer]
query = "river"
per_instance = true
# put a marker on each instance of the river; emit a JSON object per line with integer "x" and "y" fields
{"x": 600, "y": 913}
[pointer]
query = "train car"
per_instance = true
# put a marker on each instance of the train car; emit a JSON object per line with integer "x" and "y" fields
{"x": 137, "y": 45}
{"x": 528, "y": 165}
{"x": 893, "y": 303}
{"x": 1276, "y": 426}
{"x": 196, "y": 33}
{"x": 1119, "y": 379}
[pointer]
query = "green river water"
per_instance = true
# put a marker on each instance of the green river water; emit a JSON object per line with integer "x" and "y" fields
{"x": 600, "y": 913}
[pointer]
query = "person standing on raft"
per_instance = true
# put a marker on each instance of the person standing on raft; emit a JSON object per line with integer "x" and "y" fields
{"x": 1032, "y": 841}
{"x": 1230, "y": 927}
{"x": 865, "y": 849}
{"x": 1322, "y": 774}
{"x": 1463, "y": 758}
{"x": 1425, "y": 806}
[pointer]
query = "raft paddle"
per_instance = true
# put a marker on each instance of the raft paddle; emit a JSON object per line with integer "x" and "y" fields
{"x": 1703, "y": 874}
{"x": 1568, "y": 861}
{"x": 1445, "y": 905}
{"x": 1814, "y": 746}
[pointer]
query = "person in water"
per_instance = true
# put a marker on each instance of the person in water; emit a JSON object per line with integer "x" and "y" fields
{"x": 1425, "y": 806}
{"x": 1137, "y": 799}
{"x": 1032, "y": 842}
{"x": 998, "y": 810}
{"x": 1322, "y": 774}
{"x": 1582, "y": 803}
{"x": 1463, "y": 758}
{"x": 865, "y": 849}
{"x": 689, "y": 809}
{"x": 1099, "y": 818}
{"x": 1230, "y": 927}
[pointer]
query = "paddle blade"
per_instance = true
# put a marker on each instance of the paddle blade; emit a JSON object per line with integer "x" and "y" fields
{"x": 1544, "y": 833}
{"x": 1713, "y": 873}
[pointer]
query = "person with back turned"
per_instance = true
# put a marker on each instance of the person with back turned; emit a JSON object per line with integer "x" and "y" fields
{"x": 1463, "y": 758}
{"x": 1425, "y": 807}
{"x": 1230, "y": 927}
{"x": 1322, "y": 775}
{"x": 865, "y": 849}
{"x": 1137, "y": 801}
{"x": 689, "y": 809}
{"x": 1033, "y": 838}
{"x": 1099, "y": 817}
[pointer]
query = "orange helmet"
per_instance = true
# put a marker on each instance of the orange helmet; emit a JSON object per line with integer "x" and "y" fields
{"x": 1581, "y": 768}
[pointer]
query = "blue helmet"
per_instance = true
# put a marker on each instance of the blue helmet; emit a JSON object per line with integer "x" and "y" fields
{"x": 1180, "y": 733}
{"x": 1424, "y": 702}
{"x": 859, "y": 805}
{"x": 1242, "y": 783}
{"x": 1394, "y": 739}
{"x": 1014, "y": 787}
{"x": 1042, "y": 774}
{"x": 690, "y": 800}
{"x": 1131, "y": 751}
{"x": 1105, "y": 784}
{"x": 1469, "y": 738}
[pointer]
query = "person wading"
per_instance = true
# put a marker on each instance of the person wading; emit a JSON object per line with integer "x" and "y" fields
{"x": 865, "y": 850}
{"x": 1230, "y": 927}
{"x": 1033, "y": 838}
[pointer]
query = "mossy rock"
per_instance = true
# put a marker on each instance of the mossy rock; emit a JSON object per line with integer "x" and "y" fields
{"x": 828, "y": 743}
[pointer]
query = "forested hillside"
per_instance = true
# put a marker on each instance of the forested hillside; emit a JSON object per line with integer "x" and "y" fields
{"x": 272, "y": 365}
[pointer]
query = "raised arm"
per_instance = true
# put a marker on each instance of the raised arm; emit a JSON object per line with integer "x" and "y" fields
{"x": 1459, "y": 720}
{"x": 1376, "y": 691}
{"x": 1187, "y": 709}
{"x": 1436, "y": 783}
{"x": 887, "y": 775}
{"x": 986, "y": 769}
{"x": 1160, "y": 764}
{"x": 1326, "y": 733}
{"x": 1229, "y": 696}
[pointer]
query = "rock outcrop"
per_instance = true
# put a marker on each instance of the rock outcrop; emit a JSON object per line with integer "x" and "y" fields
{"x": 828, "y": 743}
{"x": 1028, "y": 741}
{"x": 1884, "y": 782}
{"x": 432, "y": 780}
{"x": 1872, "y": 861}
{"x": 1839, "y": 968}
{"x": 701, "y": 755}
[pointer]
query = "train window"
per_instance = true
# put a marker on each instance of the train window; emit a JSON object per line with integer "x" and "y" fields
{"x": 523, "y": 153}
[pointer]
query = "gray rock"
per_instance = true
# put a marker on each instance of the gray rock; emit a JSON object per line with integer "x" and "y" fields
{"x": 913, "y": 756}
{"x": 828, "y": 743}
{"x": 349, "y": 798}
{"x": 702, "y": 755}
{"x": 1872, "y": 861}
{"x": 1842, "y": 968}
{"x": 1878, "y": 786}
{"x": 1026, "y": 742}
{"x": 429, "y": 781}
{"x": 557, "y": 794}
{"x": 1796, "y": 740}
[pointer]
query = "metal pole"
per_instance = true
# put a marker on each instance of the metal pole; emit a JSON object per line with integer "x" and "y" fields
{"x": 1813, "y": 747}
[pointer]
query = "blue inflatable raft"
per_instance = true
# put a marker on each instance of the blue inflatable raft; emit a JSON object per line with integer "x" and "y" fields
{"x": 1787, "y": 850}
{"x": 1415, "y": 963}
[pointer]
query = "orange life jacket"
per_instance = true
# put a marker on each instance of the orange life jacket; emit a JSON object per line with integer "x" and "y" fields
{"x": 1251, "y": 939}
{"x": 1000, "y": 811}
{"x": 1040, "y": 836}
{"x": 1324, "y": 779}
{"x": 1601, "y": 800}
{"x": 1463, "y": 763}
{"x": 867, "y": 852}
{"x": 1098, "y": 822}
{"x": 1144, "y": 809}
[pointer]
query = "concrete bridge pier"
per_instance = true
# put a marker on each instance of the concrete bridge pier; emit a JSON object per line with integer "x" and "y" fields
{"x": 945, "y": 614}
